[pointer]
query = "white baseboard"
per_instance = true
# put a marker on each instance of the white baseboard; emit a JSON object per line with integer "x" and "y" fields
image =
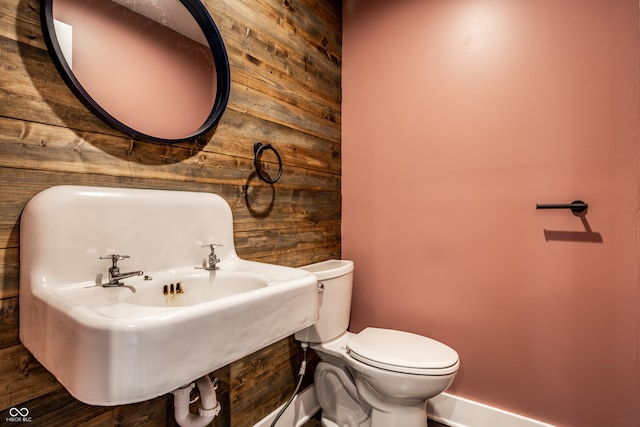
{"x": 303, "y": 407}
{"x": 456, "y": 411}
{"x": 446, "y": 408}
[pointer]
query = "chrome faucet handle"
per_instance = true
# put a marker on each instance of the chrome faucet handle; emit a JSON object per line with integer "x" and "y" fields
{"x": 213, "y": 260}
{"x": 213, "y": 246}
{"x": 115, "y": 258}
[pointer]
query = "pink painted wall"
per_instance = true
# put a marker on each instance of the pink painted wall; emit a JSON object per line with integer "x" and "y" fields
{"x": 458, "y": 117}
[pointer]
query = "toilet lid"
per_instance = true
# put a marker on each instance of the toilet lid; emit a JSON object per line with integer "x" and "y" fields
{"x": 402, "y": 352}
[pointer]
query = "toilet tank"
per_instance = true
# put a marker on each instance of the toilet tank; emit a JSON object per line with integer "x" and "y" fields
{"x": 336, "y": 276}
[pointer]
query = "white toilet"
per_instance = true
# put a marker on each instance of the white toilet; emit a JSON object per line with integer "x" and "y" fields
{"x": 378, "y": 377}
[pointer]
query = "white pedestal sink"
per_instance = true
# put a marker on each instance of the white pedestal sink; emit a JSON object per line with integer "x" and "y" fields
{"x": 164, "y": 328}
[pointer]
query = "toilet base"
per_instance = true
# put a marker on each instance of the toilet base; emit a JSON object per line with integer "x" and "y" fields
{"x": 407, "y": 416}
{"x": 328, "y": 423}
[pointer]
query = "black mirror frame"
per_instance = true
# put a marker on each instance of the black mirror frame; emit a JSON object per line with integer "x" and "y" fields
{"x": 219, "y": 52}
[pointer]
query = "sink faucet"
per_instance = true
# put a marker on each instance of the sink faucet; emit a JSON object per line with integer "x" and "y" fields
{"x": 114, "y": 271}
{"x": 212, "y": 260}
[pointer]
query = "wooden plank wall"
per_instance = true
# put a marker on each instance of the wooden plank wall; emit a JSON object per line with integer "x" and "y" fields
{"x": 285, "y": 58}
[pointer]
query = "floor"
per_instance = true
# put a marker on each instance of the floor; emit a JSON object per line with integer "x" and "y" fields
{"x": 315, "y": 422}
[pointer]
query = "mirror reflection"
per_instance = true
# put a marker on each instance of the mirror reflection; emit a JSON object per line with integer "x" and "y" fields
{"x": 146, "y": 64}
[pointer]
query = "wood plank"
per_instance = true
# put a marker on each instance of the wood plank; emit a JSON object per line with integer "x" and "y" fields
{"x": 9, "y": 270}
{"x": 236, "y": 134}
{"x": 259, "y": 105}
{"x": 9, "y": 321}
{"x": 255, "y": 208}
{"x": 234, "y": 137}
{"x": 23, "y": 378}
{"x": 299, "y": 21}
{"x": 329, "y": 14}
{"x": 258, "y": 63}
{"x": 36, "y": 146}
{"x": 60, "y": 409}
{"x": 20, "y": 21}
{"x": 264, "y": 33}
{"x": 284, "y": 242}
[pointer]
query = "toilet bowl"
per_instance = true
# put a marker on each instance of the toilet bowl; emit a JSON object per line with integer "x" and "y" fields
{"x": 375, "y": 378}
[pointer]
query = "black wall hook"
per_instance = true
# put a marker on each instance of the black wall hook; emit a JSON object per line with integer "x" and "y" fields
{"x": 258, "y": 148}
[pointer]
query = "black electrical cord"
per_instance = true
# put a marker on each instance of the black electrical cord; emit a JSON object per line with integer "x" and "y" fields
{"x": 303, "y": 368}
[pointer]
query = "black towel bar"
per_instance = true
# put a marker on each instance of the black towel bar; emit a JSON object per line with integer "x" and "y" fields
{"x": 577, "y": 206}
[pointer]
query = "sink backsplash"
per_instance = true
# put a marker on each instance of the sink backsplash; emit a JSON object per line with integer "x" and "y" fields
{"x": 141, "y": 224}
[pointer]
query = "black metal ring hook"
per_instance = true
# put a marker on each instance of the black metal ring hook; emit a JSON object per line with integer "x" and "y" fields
{"x": 258, "y": 148}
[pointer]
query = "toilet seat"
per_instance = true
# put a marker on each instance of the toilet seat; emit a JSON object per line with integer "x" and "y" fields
{"x": 402, "y": 352}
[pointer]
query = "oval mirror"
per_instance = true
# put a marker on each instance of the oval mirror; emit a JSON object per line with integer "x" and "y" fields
{"x": 156, "y": 70}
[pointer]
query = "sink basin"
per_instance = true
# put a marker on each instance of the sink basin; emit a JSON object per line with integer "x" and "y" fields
{"x": 190, "y": 289}
{"x": 164, "y": 328}
{"x": 176, "y": 289}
